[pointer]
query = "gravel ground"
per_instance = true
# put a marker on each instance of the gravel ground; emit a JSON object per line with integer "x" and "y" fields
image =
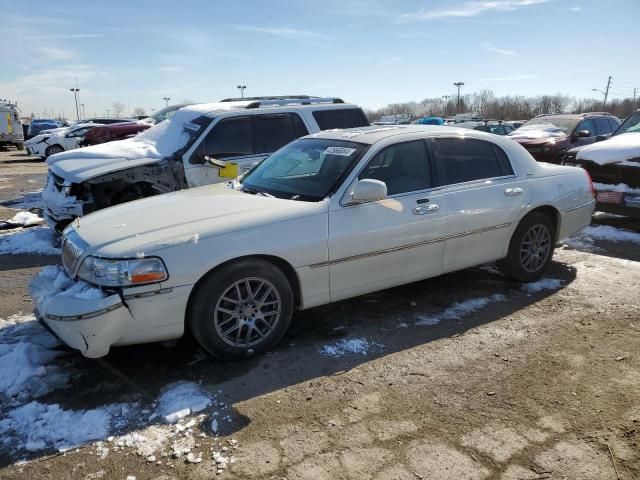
{"x": 531, "y": 385}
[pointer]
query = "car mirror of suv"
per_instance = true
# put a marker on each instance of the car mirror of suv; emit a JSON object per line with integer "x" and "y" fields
{"x": 214, "y": 161}
{"x": 600, "y": 138}
{"x": 583, "y": 133}
{"x": 369, "y": 190}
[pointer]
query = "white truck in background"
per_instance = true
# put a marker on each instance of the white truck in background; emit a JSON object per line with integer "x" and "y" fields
{"x": 10, "y": 126}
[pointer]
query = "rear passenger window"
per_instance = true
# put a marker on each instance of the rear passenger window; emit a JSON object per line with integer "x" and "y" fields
{"x": 340, "y": 118}
{"x": 602, "y": 126}
{"x": 403, "y": 167}
{"x": 275, "y": 131}
{"x": 461, "y": 160}
{"x": 231, "y": 137}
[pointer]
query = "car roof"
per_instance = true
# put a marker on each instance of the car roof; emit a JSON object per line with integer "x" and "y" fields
{"x": 253, "y": 105}
{"x": 376, "y": 133}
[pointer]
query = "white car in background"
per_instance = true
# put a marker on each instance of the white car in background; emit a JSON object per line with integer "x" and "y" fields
{"x": 58, "y": 140}
{"x": 330, "y": 216}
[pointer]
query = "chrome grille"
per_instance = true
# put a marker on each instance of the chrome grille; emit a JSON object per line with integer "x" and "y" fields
{"x": 72, "y": 248}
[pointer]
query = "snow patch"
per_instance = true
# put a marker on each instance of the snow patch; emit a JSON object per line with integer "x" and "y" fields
{"x": 26, "y": 219}
{"x": 27, "y": 201}
{"x": 612, "y": 234}
{"x": 542, "y": 284}
{"x": 26, "y": 353}
{"x": 38, "y": 240}
{"x": 460, "y": 309}
{"x": 620, "y": 187}
{"x": 180, "y": 399}
{"x": 618, "y": 149}
{"x": 358, "y": 346}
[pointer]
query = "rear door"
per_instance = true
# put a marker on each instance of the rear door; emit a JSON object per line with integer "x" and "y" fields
{"x": 603, "y": 127}
{"x": 483, "y": 196}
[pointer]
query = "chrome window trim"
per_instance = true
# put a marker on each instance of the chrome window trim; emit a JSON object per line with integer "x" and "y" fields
{"x": 400, "y": 248}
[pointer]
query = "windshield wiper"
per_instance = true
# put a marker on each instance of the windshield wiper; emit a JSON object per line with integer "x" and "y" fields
{"x": 254, "y": 191}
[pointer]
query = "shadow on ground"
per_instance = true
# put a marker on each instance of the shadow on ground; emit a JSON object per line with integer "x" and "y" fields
{"x": 387, "y": 318}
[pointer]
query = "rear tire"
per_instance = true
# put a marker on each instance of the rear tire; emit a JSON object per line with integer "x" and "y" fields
{"x": 242, "y": 309}
{"x": 531, "y": 248}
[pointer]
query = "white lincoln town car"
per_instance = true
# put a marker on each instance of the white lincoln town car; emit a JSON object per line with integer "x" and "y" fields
{"x": 330, "y": 216}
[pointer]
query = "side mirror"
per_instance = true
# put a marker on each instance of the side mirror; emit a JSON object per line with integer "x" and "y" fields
{"x": 600, "y": 138}
{"x": 583, "y": 133}
{"x": 369, "y": 190}
{"x": 214, "y": 161}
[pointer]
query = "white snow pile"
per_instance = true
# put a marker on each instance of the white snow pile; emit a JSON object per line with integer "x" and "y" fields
{"x": 181, "y": 399}
{"x": 52, "y": 280}
{"x": 620, "y": 187}
{"x": 359, "y": 346}
{"x": 542, "y": 284}
{"x": 37, "y": 426}
{"x": 539, "y": 130}
{"x": 26, "y": 219}
{"x": 38, "y": 240}
{"x": 159, "y": 141}
{"x": 27, "y": 351}
{"x": 618, "y": 149}
{"x": 584, "y": 240}
{"x": 460, "y": 309}
{"x": 56, "y": 200}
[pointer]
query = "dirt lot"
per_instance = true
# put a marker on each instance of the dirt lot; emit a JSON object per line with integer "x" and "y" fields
{"x": 531, "y": 385}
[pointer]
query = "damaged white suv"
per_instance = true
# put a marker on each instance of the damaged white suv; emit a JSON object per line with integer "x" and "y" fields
{"x": 199, "y": 145}
{"x": 329, "y": 216}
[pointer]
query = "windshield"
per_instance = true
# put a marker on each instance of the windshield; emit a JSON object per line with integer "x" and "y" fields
{"x": 565, "y": 124}
{"x": 308, "y": 169}
{"x": 630, "y": 125}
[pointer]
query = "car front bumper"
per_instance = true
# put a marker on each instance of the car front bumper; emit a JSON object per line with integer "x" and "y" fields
{"x": 93, "y": 325}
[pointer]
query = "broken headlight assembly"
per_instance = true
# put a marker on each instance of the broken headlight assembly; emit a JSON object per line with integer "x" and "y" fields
{"x": 123, "y": 272}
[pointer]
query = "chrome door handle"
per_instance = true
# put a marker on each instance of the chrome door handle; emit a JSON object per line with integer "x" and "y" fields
{"x": 424, "y": 209}
{"x": 513, "y": 191}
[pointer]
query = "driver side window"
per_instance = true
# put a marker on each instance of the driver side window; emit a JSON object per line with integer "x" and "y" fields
{"x": 231, "y": 137}
{"x": 403, "y": 167}
{"x": 587, "y": 125}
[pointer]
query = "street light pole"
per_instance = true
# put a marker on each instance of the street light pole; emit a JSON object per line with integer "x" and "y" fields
{"x": 241, "y": 88}
{"x": 166, "y": 100}
{"x": 84, "y": 115}
{"x": 108, "y": 112}
{"x": 75, "y": 95}
{"x": 458, "y": 84}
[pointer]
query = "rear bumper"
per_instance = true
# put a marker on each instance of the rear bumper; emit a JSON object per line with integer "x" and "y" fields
{"x": 575, "y": 219}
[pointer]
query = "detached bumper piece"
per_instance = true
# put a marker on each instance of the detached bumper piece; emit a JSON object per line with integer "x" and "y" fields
{"x": 82, "y": 316}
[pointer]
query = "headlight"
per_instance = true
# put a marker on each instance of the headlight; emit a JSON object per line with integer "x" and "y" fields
{"x": 114, "y": 272}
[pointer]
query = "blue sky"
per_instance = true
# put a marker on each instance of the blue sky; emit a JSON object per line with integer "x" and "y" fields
{"x": 368, "y": 52}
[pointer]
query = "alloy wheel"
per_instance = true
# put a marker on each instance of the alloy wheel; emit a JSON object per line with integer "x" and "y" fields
{"x": 535, "y": 248}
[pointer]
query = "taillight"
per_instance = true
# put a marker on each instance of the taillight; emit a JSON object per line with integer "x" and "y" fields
{"x": 593, "y": 190}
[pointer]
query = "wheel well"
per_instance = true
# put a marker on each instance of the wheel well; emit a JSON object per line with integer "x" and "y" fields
{"x": 284, "y": 266}
{"x": 54, "y": 145}
{"x": 553, "y": 215}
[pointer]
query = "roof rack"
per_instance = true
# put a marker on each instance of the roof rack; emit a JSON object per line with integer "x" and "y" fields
{"x": 293, "y": 101}
{"x": 267, "y": 97}
{"x": 594, "y": 113}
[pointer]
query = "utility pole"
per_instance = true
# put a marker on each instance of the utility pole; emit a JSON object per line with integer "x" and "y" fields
{"x": 458, "y": 84}
{"x": 84, "y": 115}
{"x": 635, "y": 91}
{"x": 241, "y": 88}
{"x": 446, "y": 102}
{"x": 606, "y": 92}
{"x": 75, "y": 95}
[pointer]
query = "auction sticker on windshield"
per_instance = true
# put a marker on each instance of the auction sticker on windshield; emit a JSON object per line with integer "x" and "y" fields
{"x": 341, "y": 151}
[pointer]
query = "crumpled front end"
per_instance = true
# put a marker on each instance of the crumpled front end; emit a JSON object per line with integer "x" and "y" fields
{"x": 83, "y": 316}
{"x": 60, "y": 207}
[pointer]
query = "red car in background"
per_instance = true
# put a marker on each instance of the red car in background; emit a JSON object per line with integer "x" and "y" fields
{"x": 109, "y": 133}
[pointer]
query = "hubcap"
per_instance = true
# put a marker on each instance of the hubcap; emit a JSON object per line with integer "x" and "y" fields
{"x": 535, "y": 248}
{"x": 247, "y": 312}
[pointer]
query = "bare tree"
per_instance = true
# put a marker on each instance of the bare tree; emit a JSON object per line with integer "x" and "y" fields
{"x": 117, "y": 108}
{"x": 138, "y": 112}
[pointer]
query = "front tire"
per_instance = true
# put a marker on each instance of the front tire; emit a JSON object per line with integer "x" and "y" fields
{"x": 52, "y": 150}
{"x": 531, "y": 248}
{"x": 241, "y": 309}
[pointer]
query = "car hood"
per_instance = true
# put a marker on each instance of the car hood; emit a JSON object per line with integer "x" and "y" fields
{"x": 537, "y": 134}
{"x": 623, "y": 149}
{"x": 78, "y": 170}
{"x": 155, "y": 223}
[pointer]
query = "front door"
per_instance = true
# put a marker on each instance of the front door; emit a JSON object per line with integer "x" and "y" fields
{"x": 393, "y": 241}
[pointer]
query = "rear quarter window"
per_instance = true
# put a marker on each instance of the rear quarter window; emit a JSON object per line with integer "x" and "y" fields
{"x": 340, "y": 118}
